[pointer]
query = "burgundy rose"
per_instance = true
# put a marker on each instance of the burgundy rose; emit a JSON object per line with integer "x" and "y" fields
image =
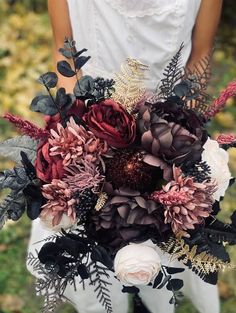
{"x": 47, "y": 167}
{"x": 109, "y": 121}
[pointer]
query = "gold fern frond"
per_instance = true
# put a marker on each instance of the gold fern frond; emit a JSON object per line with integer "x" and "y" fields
{"x": 102, "y": 199}
{"x": 203, "y": 262}
{"x": 129, "y": 87}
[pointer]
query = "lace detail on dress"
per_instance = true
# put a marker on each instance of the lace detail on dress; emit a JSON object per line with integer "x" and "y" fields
{"x": 141, "y": 8}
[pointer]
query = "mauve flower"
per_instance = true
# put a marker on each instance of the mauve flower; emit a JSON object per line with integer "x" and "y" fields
{"x": 110, "y": 121}
{"x": 137, "y": 264}
{"x": 48, "y": 167}
{"x": 74, "y": 142}
{"x": 186, "y": 202}
{"x": 168, "y": 140}
{"x": 59, "y": 201}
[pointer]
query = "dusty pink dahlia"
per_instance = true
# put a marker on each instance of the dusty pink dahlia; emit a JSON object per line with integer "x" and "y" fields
{"x": 74, "y": 142}
{"x": 185, "y": 201}
{"x": 60, "y": 201}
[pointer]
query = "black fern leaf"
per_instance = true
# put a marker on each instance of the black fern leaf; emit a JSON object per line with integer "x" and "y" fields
{"x": 99, "y": 278}
{"x": 172, "y": 74}
{"x": 199, "y": 77}
{"x": 220, "y": 232}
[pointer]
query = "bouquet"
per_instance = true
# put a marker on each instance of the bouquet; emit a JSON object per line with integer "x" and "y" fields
{"x": 119, "y": 171}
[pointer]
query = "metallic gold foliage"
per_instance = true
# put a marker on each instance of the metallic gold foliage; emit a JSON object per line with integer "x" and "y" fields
{"x": 102, "y": 199}
{"x": 203, "y": 262}
{"x": 129, "y": 87}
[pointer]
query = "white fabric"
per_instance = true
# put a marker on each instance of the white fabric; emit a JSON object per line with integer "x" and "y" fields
{"x": 151, "y": 31}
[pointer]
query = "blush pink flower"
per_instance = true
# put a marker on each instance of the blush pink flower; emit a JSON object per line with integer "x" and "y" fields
{"x": 74, "y": 142}
{"x": 226, "y": 139}
{"x": 86, "y": 175}
{"x": 59, "y": 201}
{"x": 186, "y": 202}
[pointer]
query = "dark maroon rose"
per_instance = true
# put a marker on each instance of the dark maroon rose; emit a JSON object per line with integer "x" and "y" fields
{"x": 109, "y": 121}
{"x": 47, "y": 167}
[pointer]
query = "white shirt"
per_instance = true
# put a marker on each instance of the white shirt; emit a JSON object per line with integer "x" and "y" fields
{"x": 149, "y": 30}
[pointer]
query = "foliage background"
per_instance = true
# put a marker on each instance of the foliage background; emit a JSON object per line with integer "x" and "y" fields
{"x": 25, "y": 53}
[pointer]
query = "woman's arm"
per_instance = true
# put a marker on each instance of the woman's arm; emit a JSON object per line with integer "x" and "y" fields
{"x": 204, "y": 31}
{"x": 61, "y": 27}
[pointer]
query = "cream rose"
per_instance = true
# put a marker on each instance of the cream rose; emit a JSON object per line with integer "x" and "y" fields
{"x": 65, "y": 223}
{"x": 137, "y": 264}
{"x": 217, "y": 158}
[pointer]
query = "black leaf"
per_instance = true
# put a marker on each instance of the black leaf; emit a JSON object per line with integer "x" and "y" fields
{"x": 48, "y": 252}
{"x": 34, "y": 206}
{"x": 175, "y": 284}
{"x": 63, "y": 99}
{"x": 83, "y": 272}
{"x": 81, "y": 61}
{"x": 84, "y": 86}
{"x": 164, "y": 282}
{"x": 130, "y": 289}
{"x": 99, "y": 254}
{"x": 64, "y": 68}
{"x": 181, "y": 89}
{"x": 49, "y": 79}
{"x": 174, "y": 270}
{"x": 43, "y": 104}
{"x": 28, "y": 166}
{"x": 72, "y": 247}
{"x": 78, "y": 53}
{"x": 158, "y": 280}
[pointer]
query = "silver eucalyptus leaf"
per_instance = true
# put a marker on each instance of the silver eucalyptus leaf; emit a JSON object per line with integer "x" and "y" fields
{"x": 13, "y": 206}
{"x": 15, "y": 179}
{"x": 11, "y": 148}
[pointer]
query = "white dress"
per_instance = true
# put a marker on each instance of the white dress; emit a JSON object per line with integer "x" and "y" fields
{"x": 151, "y": 31}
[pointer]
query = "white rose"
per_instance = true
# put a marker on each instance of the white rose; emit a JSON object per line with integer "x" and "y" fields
{"x": 217, "y": 158}
{"x": 65, "y": 223}
{"x": 137, "y": 264}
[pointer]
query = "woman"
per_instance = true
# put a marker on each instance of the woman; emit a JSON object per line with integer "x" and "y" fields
{"x": 151, "y": 31}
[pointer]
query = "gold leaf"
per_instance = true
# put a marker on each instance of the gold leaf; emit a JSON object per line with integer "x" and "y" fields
{"x": 203, "y": 262}
{"x": 102, "y": 199}
{"x": 129, "y": 87}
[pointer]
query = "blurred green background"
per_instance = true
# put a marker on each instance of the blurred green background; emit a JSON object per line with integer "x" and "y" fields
{"x": 25, "y": 52}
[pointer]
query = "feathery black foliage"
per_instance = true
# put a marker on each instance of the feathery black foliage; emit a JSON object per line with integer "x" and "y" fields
{"x": 200, "y": 171}
{"x": 100, "y": 279}
{"x": 172, "y": 74}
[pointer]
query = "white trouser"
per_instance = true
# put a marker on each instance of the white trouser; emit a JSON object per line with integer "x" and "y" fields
{"x": 157, "y": 301}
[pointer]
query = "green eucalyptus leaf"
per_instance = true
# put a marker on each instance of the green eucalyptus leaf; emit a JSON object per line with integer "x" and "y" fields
{"x": 43, "y": 104}
{"x": 64, "y": 68}
{"x": 12, "y": 148}
{"x": 48, "y": 79}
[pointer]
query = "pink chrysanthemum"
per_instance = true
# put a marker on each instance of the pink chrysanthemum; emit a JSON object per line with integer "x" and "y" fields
{"x": 74, "y": 142}
{"x": 185, "y": 201}
{"x": 60, "y": 201}
{"x": 83, "y": 176}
